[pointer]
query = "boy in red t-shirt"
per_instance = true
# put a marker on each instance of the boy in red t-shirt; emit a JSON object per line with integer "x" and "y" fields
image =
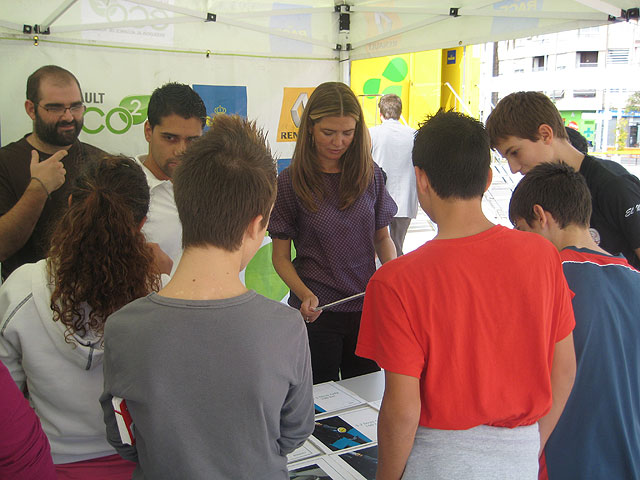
{"x": 473, "y": 329}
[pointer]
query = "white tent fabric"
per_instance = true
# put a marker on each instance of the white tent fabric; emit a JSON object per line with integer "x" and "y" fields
{"x": 309, "y": 28}
{"x": 120, "y": 48}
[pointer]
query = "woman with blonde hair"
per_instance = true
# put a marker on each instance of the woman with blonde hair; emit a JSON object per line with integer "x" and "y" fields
{"x": 53, "y": 313}
{"x": 333, "y": 205}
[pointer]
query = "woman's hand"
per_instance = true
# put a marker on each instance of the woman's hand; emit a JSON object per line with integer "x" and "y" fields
{"x": 307, "y": 309}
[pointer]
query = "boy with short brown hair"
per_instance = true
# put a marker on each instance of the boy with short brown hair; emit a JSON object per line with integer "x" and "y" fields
{"x": 598, "y": 434}
{"x": 216, "y": 378}
{"x": 527, "y": 129}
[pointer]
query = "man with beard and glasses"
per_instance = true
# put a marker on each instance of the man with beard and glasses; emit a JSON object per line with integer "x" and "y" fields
{"x": 36, "y": 172}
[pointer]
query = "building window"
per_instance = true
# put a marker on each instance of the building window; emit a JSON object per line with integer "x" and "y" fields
{"x": 617, "y": 56}
{"x": 584, "y": 93}
{"x": 538, "y": 63}
{"x": 589, "y": 31}
{"x": 587, "y": 59}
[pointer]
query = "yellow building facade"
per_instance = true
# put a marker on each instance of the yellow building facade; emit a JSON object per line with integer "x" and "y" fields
{"x": 425, "y": 81}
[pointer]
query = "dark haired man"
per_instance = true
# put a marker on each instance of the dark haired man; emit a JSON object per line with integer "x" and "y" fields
{"x": 36, "y": 172}
{"x": 391, "y": 145}
{"x": 176, "y": 116}
{"x": 598, "y": 434}
{"x": 527, "y": 129}
{"x": 473, "y": 329}
{"x": 216, "y": 378}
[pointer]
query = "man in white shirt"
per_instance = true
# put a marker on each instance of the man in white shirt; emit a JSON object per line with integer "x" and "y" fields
{"x": 176, "y": 117}
{"x": 392, "y": 144}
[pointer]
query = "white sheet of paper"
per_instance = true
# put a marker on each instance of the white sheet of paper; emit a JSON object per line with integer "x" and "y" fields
{"x": 307, "y": 450}
{"x": 364, "y": 420}
{"x": 331, "y": 397}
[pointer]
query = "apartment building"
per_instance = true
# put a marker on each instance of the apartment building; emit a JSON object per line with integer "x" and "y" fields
{"x": 590, "y": 73}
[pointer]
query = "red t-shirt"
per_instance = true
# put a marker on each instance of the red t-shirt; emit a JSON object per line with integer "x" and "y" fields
{"x": 476, "y": 319}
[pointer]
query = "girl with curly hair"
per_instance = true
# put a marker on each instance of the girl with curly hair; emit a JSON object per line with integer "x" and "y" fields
{"x": 53, "y": 312}
{"x": 333, "y": 205}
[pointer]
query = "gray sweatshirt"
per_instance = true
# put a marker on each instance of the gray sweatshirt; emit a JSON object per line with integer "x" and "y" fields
{"x": 216, "y": 389}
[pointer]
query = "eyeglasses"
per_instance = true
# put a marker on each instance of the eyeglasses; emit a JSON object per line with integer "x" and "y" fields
{"x": 75, "y": 109}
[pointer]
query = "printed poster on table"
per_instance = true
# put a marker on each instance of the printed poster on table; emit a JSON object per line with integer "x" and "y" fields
{"x": 347, "y": 430}
{"x": 363, "y": 461}
{"x": 322, "y": 468}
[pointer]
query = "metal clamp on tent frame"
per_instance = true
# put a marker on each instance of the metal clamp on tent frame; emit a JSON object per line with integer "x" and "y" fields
{"x": 344, "y": 26}
{"x": 453, "y": 12}
{"x": 344, "y": 20}
{"x": 28, "y": 29}
{"x": 211, "y": 17}
{"x": 630, "y": 14}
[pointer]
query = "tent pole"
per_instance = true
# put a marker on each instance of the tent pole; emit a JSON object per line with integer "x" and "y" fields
{"x": 11, "y": 26}
{"x": 345, "y": 67}
{"x": 171, "y": 8}
{"x": 126, "y": 23}
{"x": 602, "y": 7}
{"x": 56, "y": 14}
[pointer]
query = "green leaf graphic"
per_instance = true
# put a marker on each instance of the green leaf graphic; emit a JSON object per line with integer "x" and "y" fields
{"x": 262, "y": 277}
{"x": 371, "y": 87}
{"x": 137, "y": 106}
{"x": 396, "y": 70}
{"x": 395, "y": 89}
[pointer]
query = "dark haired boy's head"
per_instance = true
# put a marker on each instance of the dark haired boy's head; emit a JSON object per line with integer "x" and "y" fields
{"x": 176, "y": 116}
{"x": 175, "y": 99}
{"x": 453, "y": 151}
{"x": 577, "y": 140}
{"x": 558, "y": 189}
{"x": 520, "y": 114}
{"x": 527, "y": 129}
{"x": 226, "y": 179}
{"x": 390, "y": 106}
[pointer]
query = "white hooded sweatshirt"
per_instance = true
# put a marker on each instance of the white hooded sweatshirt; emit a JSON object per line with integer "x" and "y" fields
{"x": 64, "y": 380}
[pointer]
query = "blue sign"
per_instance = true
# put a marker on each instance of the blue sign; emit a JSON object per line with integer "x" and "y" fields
{"x": 223, "y": 99}
{"x": 283, "y": 163}
{"x": 451, "y": 57}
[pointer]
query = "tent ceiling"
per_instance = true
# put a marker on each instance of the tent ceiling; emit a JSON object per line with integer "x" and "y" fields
{"x": 308, "y": 29}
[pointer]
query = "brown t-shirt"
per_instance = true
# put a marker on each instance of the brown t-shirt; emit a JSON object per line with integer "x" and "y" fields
{"x": 15, "y": 175}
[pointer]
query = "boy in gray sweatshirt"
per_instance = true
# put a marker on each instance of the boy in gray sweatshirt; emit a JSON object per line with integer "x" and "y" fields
{"x": 216, "y": 379}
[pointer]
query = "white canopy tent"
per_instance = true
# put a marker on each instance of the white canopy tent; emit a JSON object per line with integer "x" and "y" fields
{"x": 119, "y": 48}
{"x": 355, "y": 28}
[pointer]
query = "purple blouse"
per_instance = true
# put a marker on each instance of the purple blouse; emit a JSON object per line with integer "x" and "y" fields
{"x": 335, "y": 254}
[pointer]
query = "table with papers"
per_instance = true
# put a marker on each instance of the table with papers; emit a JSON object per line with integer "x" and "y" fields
{"x": 344, "y": 443}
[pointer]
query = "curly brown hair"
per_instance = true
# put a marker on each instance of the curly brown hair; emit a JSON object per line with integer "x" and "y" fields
{"x": 99, "y": 260}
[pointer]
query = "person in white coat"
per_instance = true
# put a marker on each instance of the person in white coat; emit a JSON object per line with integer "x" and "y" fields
{"x": 391, "y": 146}
{"x": 53, "y": 313}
